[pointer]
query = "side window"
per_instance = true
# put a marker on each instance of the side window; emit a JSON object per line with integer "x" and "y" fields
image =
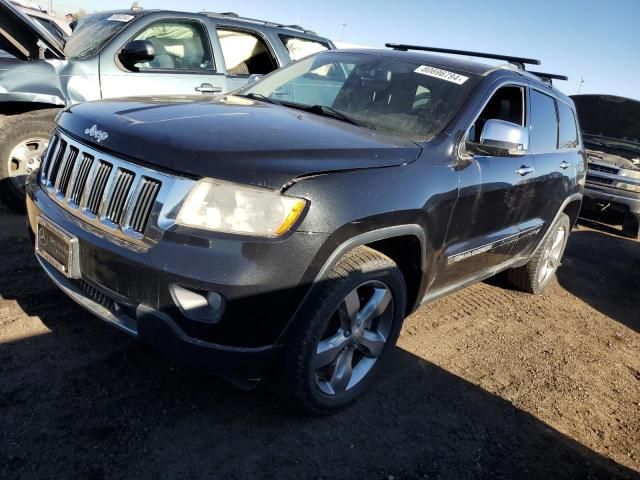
{"x": 568, "y": 129}
{"x": 245, "y": 53}
{"x": 544, "y": 123}
{"x": 301, "y": 47}
{"x": 506, "y": 104}
{"x": 179, "y": 45}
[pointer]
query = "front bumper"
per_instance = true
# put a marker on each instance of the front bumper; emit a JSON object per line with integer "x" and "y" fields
{"x": 598, "y": 193}
{"x": 262, "y": 282}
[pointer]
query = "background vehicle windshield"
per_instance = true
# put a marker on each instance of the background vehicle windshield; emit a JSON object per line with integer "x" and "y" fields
{"x": 94, "y": 32}
{"x": 390, "y": 95}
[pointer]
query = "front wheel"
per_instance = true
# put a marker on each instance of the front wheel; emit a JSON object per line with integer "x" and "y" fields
{"x": 536, "y": 275}
{"x": 353, "y": 320}
{"x": 631, "y": 225}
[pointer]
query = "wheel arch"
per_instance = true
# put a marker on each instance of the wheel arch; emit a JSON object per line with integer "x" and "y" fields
{"x": 389, "y": 241}
{"x": 10, "y": 109}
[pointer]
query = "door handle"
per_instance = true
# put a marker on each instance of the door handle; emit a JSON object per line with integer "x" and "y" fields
{"x": 564, "y": 165}
{"x": 208, "y": 88}
{"x": 524, "y": 170}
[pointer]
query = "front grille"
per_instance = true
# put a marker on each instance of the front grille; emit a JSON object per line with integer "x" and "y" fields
{"x": 112, "y": 194}
{"x": 599, "y": 180}
{"x": 596, "y": 167}
{"x": 96, "y": 295}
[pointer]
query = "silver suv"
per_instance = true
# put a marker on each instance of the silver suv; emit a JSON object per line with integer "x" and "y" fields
{"x": 611, "y": 131}
{"x": 124, "y": 53}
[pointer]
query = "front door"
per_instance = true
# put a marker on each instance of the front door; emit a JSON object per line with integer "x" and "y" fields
{"x": 494, "y": 199}
{"x": 183, "y": 63}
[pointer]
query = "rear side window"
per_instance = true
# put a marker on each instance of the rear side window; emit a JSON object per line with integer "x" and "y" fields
{"x": 301, "y": 47}
{"x": 568, "y": 128}
{"x": 245, "y": 53}
{"x": 544, "y": 123}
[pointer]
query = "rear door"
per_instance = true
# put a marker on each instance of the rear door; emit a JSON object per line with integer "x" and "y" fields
{"x": 245, "y": 52}
{"x": 184, "y": 63}
{"x": 554, "y": 149}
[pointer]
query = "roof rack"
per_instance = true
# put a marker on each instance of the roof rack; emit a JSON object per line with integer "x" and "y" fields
{"x": 266, "y": 23}
{"x": 549, "y": 77}
{"x": 518, "y": 61}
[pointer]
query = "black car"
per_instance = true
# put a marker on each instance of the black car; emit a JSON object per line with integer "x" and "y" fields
{"x": 286, "y": 230}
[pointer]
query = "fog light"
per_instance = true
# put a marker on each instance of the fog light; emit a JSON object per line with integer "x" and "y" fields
{"x": 198, "y": 305}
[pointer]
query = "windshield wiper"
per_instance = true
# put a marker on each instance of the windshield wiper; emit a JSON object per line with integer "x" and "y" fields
{"x": 259, "y": 97}
{"x": 331, "y": 112}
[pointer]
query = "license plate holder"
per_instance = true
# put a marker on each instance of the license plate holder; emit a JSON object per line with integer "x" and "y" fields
{"x": 57, "y": 247}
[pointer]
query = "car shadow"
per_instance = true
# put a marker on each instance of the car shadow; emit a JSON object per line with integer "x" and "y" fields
{"x": 79, "y": 399}
{"x": 603, "y": 269}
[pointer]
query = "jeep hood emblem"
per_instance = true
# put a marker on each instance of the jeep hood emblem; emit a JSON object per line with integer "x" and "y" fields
{"x": 97, "y": 134}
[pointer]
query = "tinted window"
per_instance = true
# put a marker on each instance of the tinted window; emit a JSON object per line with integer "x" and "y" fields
{"x": 245, "y": 53}
{"x": 178, "y": 46}
{"x": 544, "y": 125}
{"x": 506, "y": 104}
{"x": 568, "y": 129}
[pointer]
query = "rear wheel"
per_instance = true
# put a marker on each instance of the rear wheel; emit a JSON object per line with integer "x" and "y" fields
{"x": 353, "y": 320}
{"x": 536, "y": 275}
{"x": 23, "y": 140}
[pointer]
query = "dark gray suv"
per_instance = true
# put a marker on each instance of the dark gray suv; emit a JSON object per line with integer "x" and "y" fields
{"x": 287, "y": 229}
{"x": 121, "y": 53}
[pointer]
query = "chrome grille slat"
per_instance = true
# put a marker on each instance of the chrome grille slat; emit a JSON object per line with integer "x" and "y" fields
{"x": 115, "y": 209}
{"x": 98, "y": 187}
{"x": 44, "y": 168}
{"x": 136, "y": 204}
{"x": 54, "y": 167}
{"x": 80, "y": 179}
{"x": 143, "y": 204}
{"x": 66, "y": 168}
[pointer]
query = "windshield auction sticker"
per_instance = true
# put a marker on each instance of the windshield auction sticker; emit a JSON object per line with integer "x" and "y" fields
{"x": 441, "y": 74}
{"x": 121, "y": 17}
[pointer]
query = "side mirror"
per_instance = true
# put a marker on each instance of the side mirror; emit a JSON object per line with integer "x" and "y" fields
{"x": 136, "y": 51}
{"x": 255, "y": 78}
{"x": 502, "y": 138}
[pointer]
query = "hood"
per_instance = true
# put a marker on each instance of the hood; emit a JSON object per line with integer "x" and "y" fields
{"x": 23, "y": 37}
{"x": 232, "y": 138}
{"x": 609, "y": 116}
{"x": 611, "y": 129}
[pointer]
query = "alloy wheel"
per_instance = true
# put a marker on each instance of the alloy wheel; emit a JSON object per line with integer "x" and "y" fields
{"x": 552, "y": 255}
{"x": 354, "y": 338}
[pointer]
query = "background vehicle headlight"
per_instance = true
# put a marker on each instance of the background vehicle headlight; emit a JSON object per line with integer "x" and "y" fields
{"x": 227, "y": 207}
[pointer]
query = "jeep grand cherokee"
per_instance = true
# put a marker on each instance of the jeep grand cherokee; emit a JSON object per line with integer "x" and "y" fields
{"x": 288, "y": 229}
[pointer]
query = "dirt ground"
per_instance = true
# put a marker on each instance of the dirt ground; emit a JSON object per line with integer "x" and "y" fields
{"x": 487, "y": 383}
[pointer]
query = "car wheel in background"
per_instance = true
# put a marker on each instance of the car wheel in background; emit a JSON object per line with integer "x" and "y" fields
{"x": 23, "y": 139}
{"x": 352, "y": 321}
{"x": 631, "y": 225}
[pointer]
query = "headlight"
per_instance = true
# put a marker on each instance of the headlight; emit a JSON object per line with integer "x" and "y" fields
{"x": 227, "y": 207}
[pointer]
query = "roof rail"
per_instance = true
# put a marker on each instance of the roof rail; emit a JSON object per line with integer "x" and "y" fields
{"x": 518, "y": 61}
{"x": 549, "y": 77}
{"x": 266, "y": 23}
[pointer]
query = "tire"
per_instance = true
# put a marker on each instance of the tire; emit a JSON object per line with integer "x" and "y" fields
{"x": 365, "y": 276}
{"x": 536, "y": 275}
{"x": 23, "y": 138}
{"x": 631, "y": 225}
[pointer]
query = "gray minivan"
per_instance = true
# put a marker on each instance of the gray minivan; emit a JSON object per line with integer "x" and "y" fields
{"x": 124, "y": 53}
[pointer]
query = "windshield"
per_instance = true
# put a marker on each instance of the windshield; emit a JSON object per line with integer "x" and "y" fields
{"x": 386, "y": 94}
{"x": 94, "y": 32}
